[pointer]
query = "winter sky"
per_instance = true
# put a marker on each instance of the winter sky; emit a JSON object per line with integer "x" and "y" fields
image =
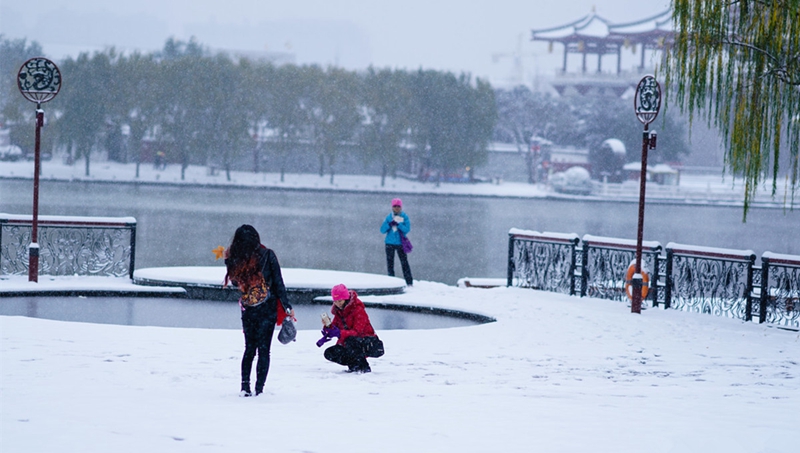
{"x": 480, "y": 37}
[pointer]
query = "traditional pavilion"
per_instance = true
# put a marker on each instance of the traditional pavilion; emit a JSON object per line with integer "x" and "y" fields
{"x": 597, "y": 36}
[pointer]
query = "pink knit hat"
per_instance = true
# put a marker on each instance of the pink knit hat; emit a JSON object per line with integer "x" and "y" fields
{"x": 397, "y": 202}
{"x": 340, "y": 292}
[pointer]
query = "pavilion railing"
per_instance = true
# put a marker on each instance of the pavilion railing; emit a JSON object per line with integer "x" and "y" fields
{"x": 99, "y": 246}
{"x": 716, "y": 281}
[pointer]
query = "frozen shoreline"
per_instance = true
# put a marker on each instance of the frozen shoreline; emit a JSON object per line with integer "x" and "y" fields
{"x": 693, "y": 190}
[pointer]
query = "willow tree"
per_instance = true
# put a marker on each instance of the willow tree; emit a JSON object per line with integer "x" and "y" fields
{"x": 737, "y": 62}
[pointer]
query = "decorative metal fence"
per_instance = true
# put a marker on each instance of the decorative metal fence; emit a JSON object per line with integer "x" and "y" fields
{"x": 716, "y": 281}
{"x": 606, "y": 261}
{"x": 780, "y": 290}
{"x": 102, "y": 246}
{"x": 544, "y": 261}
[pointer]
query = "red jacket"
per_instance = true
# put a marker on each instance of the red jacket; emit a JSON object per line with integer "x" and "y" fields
{"x": 352, "y": 319}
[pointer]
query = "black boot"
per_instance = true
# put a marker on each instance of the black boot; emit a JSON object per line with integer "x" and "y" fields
{"x": 362, "y": 366}
{"x": 245, "y": 390}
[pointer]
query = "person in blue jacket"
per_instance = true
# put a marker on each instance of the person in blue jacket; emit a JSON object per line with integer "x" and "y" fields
{"x": 394, "y": 224}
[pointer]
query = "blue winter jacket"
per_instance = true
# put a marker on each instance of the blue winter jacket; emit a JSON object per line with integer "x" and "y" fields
{"x": 392, "y": 236}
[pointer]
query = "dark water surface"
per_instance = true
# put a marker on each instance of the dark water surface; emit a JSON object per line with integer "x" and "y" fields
{"x": 171, "y": 312}
{"x": 453, "y": 236}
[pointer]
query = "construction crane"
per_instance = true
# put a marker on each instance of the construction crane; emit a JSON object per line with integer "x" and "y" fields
{"x": 519, "y": 76}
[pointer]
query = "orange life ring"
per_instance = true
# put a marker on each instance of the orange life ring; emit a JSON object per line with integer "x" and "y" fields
{"x": 629, "y": 285}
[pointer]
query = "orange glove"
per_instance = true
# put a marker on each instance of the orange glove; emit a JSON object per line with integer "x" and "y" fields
{"x": 219, "y": 252}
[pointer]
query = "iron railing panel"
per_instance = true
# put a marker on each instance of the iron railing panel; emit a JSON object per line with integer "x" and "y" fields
{"x": 606, "y": 261}
{"x": 713, "y": 281}
{"x": 543, "y": 261}
{"x": 69, "y": 245}
{"x": 780, "y": 290}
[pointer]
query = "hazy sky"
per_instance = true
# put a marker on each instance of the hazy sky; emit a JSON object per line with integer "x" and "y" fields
{"x": 454, "y": 35}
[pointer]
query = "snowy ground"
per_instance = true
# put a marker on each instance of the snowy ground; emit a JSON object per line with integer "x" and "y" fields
{"x": 692, "y": 189}
{"x": 554, "y": 374}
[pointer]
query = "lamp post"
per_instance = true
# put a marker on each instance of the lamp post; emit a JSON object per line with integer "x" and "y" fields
{"x": 39, "y": 81}
{"x": 646, "y": 104}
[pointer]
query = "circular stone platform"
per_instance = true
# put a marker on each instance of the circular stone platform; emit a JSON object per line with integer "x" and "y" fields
{"x": 303, "y": 285}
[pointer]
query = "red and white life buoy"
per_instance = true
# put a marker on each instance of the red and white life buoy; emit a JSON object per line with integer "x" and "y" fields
{"x": 629, "y": 285}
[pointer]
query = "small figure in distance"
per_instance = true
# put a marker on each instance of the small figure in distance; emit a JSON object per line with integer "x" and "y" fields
{"x": 394, "y": 226}
{"x": 160, "y": 160}
{"x": 356, "y": 339}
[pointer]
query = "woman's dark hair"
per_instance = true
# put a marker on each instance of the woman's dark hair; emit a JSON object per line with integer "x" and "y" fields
{"x": 243, "y": 246}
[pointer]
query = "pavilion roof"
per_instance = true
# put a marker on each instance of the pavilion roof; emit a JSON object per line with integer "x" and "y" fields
{"x": 592, "y": 27}
{"x": 659, "y": 23}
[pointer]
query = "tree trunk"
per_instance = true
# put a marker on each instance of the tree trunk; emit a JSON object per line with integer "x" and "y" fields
{"x": 529, "y": 164}
{"x": 256, "y": 158}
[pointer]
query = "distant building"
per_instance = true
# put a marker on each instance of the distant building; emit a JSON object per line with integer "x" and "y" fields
{"x": 661, "y": 174}
{"x": 593, "y": 35}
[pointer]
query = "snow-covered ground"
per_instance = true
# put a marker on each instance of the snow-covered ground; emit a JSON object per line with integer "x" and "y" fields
{"x": 554, "y": 374}
{"x": 692, "y": 189}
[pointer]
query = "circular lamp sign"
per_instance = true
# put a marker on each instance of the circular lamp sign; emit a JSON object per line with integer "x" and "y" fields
{"x": 39, "y": 80}
{"x": 647, "y": 101}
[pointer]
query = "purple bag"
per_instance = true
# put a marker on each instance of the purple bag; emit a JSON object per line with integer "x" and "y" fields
{"x": 407, "y": 246}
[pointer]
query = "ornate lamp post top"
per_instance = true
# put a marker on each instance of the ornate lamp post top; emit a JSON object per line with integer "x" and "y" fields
{"x": 39, "y": 80}
{"x": 647, "y": 101}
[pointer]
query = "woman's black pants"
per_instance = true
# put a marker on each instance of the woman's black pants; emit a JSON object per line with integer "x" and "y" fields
{"x": 390, "y": 249}
{"x": 258, "y": 328}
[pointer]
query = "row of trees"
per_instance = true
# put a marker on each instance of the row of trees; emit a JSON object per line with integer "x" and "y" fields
{"x": 212, "y": 108}
{"x": 736, "y": 63}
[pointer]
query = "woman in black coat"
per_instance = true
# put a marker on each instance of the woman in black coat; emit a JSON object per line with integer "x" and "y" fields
{"x": 254, "y": 269}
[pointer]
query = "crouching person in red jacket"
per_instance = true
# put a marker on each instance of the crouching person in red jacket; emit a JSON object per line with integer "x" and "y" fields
{"x": 356, "y": 337}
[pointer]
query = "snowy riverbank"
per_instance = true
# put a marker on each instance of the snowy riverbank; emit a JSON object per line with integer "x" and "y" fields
{"x": 693, "y": 189}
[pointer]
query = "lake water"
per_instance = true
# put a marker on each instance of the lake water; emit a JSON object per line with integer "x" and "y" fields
{"x": 453, "y": 236}
{"x": 172, "y": 312}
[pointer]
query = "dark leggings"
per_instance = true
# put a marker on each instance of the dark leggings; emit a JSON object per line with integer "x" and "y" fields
{"x": 390, "y": 249}
{"x": 258, "y": 328}
{"x": 354, "y": 352}
{"x": 351, "y": 354}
